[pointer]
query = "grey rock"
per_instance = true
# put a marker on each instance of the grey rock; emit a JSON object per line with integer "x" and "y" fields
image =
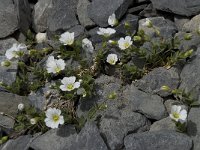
{"x": 190, "y": 79}
{"x": 180, "y": 21}
{"x": 163, "y": 124}
{"x": 62, "y": 16}
{"x": 150, "y": 105}
{"x": 136, "y": 9}
{"x": 187, "y": 44}
{"x": 192, "y": 25}
{"x": 55, "y": 139}
{"x": 88, "y": 139}
{"x": 104, "y": 86}
{"x": 149, "y": 11}
{"x": 9, "y": 102}
{"x": 132, "y": 20}
{"x": 83, "y": 14}
{"x": 42, "y": 10}
{"x": 166, "y": 27}
{"x": 78, "y": 31}
{"x": 154, "y": 80}
{"x": 21, "y": 143}
{"x": 8, "y": 18}
{"x": 115, "y": 125}
{"x": 185, "y": 8}
{"x": 24, "y": 14}
{"x": 94, "y": 37}
{"x": 8, "y": 74}
{"x": 193, "y": 126}
{"x": 100, "y": 10}
{"x": 165, "y": 140}
{"x": 44, "y": 96}
{"x": 6, "y": 123}
{"x": 6, "y": 44}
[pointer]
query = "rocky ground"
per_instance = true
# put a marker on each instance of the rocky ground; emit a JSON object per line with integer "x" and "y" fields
{"x": 130, "y": 111}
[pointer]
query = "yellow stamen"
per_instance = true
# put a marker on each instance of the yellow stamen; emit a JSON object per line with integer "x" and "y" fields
{"x": 176, "y": 115}
{"x": 70, "y": 86}
{"x": 55, "y": 118}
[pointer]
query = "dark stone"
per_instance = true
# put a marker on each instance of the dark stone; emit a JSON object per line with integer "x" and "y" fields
{"x": 165, "y": 140}
{"x": 100, "y": 10}
{"x": 180, "y": 7}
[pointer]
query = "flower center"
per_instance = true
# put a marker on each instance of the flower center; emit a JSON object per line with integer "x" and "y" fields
{"x": 57, "y": 69}
{"x": 126, "y": 44}
{"x": 55, "y": 118}
{"x": 112, "y": 61}
{"x": 70, "y": 86}
{"x": 176, "y": 115}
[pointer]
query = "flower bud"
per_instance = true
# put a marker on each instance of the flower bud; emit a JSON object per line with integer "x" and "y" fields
{"x": 188, "y": 53}
{"x": 5, "y": 63}
{"x": 165, "y": 88}
{"x": 41, "y": 37}
{"x": 112, "y": 42}
{"x": 33, "y": 121}
{"x": 188, "y": 36}
{"x": 137, "y": 38}
{"x": 4, "y": 139}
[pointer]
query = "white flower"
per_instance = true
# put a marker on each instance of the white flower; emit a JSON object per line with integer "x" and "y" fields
{"x": 177, "y": 114}
{"x": 125, "y": 43}
{"x": 67, "y": 38}
{"x": 69, "y": 83}
{"x": 112, "y": 21}
{"x": 41, "y": 37}
{"x": 14, "y": 51}
{"x": 112, "y": 59}
{"x": 20, "y": 106}
{"x": 106, "y": 31}
{"x": 147, "y": 23}
{"x": 53, "y": 118}
{"x": 33, "y": 121}
{"x": 55, "y": 65}
{"x": 87, "y": 45}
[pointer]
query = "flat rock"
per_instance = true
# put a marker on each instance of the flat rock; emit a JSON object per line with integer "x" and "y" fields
{"x": 100, "y": 10}
{"x": 180, "y": 21}
{"x": 8, "y": 18}
{"x": 115, "y": 125}
{"x": 83, "y": 14}
{"x": 8, "y": 74}
{"x": 165, "y": 140}
{"x": 185, "y": 45}
{"x": 192, "y": 25}
{"x": 62, "y": 16}
{"x": 193, "y": 126}
{"x": 163, "y": 124}
{"x": 104, "y": 86}
{"x": 166, "y": 27}
{"x": 88, "y": 139}
{"x": 185, "y": 8}
{"x": 154, "y": 80}
{"x": 150, "y": 105}
{"x": 21, "y": 143}
{"x": 55, "y": 139}
{"x": 42, "y": 10}
{"x": 9, "y": 102}
{"x": 190, "y": 79}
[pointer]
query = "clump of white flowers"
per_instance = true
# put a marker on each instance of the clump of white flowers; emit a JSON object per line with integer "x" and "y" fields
{"x": 112, "y": 59}
{"x": 148, "y": 23}
{"x": 106, "y": 32}
{"x": 41, "y": 37}
{"x": 125, "y": 43}
{"x": 69, "y": 84}
{"x": 87, "y": 45}
{"x": 177, "y": 114}
{"x": 20, "y": 106}
{"x": 67, "y": 38}
{"x": 112, "y": 21}
{"x": 55, "y": 65}
{"x": 53, "y": 118}
{"x": 15, "y": 51}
